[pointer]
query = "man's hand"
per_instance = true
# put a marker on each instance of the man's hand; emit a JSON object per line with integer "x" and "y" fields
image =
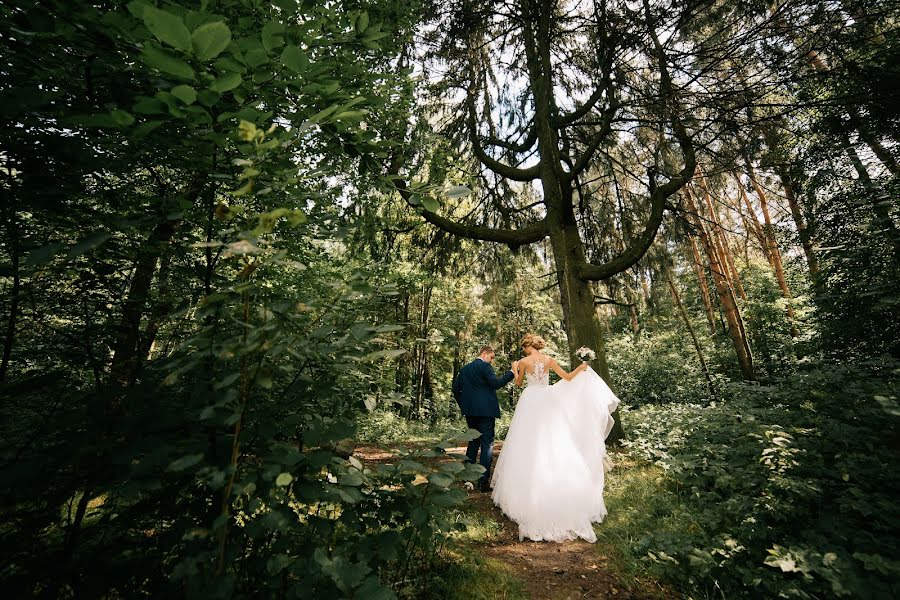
{"x": 515, "y": 367}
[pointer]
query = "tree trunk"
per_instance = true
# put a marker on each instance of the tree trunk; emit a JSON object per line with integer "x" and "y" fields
{"x": 15, "y": 293}
{"x": 704, "y": 286}
{"x": 726, "y": 298}
{"x": 774, "y": 252}
{"x": 800, "y": 222}
{"x": 160, "y": 309}
{"x": 753, "y": 222}
{"x": 582, "y": 326}
{"x": 721, "y": 242}
{"x": 690, "y": 328}
{"x": 123, "y": 368}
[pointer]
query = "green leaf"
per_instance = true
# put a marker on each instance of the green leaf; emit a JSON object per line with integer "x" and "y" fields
{"x": 440, "y": 479}
{"x": 284, "y": 479}
{"x": 185, "y": 93}
{"x": 430, "y": 204}
{"x": 42, "y": 255}
{"x": 256, "y": 58}
{"x": 137, "y": 8}
{"x": 294, "y": 59}
{"x": 458, "y": 191}
{"x": 210, "y": 39}
{"x": 168, "y": 28}
{"x": 150, "y": 106}
{"x": 89, "y": 243}
{"x": 186, "y": 462}
{"x": 272, "y": 35}
{"x": 145, "y": 129}
{"x": 208, "y": 97}
{"x": 162, "y": 60}
{"x": 352, "y": 479}
{"x": 227, "y": 82}
{"x": 363, "y": 22}
{"x": 121, "y": 117}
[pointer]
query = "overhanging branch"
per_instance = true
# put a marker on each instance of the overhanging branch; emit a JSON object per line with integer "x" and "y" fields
{"x": 658, "y": 195}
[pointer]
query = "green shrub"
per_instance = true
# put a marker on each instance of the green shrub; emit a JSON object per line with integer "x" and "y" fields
{"x": 792, "y": 486}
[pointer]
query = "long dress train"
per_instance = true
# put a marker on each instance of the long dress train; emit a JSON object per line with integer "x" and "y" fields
{"x": 549, "y": 477}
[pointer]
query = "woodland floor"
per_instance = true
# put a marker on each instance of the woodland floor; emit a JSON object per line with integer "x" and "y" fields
{"x": 546, "y": 570}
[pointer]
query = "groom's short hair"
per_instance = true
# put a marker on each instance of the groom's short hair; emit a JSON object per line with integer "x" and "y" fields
{"x": 486, "y": 348}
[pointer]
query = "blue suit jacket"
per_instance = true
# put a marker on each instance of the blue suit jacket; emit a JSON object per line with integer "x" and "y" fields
{"x": 475, "y": 389}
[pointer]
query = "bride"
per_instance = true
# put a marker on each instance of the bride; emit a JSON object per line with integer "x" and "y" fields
{"x": 549, "y": 477}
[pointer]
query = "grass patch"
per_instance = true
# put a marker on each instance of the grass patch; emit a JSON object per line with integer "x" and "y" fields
{"x": 385, "y": 427}
{"x": 468, "y": 576}
{"x": 640, "y": 501}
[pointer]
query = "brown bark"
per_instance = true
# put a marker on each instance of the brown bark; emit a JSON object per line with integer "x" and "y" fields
{"x": 753, "y": 222}
{"x": 15, "y": 293}
{"x": 160, "y": 309}
{"x": 704, "y": 286}
{"x": 773, "y": 248}
{"x": 123, "y": 368}
{"x": 803, "y": 232}
{"x": 726, "y": 298}
{"x": 721, "y": 242}
{"x": 690, "y": 328}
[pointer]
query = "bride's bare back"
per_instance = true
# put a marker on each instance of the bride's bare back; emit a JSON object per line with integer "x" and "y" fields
{"x": 530, "y": 365}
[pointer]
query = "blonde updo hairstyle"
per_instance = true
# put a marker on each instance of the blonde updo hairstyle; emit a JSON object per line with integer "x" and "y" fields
{"x": 534, "y": 341}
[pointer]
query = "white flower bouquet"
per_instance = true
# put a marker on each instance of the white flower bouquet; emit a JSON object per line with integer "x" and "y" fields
{"x": 585, "y": 354}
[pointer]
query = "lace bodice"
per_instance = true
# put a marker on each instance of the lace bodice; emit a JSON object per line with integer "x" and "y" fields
{"x": 539, "y": 376}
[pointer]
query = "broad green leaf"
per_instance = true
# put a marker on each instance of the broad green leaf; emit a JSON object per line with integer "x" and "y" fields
{"x": 256, "y": 58}
{"x": 145, "y": 129}
{"x": 440, "y": 479}
{"x": 272, "y": 35}
{"x": 137, "y": 8}
{"x": 226, "y": 83}
{"x": 284, "y": 479}
{"x": 186, "y": 462}
{"x": 88, "y": 243}
{"x": 42, "y": 255}
{"x": 294, "y": 59}
{"x": 458, "y": 191}
{"x": 185, "y": 93}
{"x": 208, "y": 97}
{"x": 149, "y": 106}
{"x": 210, "y": 39}
{"x": 168, "y": 28}
{"x": 121, "y": 117}
{"x": 162, "y": 60}
{"x": 363, "y": 22}
{"x": 430, "y": 204}
{"x": 352, "y": 479}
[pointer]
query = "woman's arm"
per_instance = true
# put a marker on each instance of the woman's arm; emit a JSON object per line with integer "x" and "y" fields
{"x": 567, "y": 376}
{"x": 519, "y": 371}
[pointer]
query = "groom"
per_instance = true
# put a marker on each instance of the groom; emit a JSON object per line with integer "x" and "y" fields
{"x": 475, "y": 390}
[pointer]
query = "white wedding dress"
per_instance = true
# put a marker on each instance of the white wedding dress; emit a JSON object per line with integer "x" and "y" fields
{"x": 549, "y": 477}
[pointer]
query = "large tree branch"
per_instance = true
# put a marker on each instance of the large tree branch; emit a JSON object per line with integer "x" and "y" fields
{"x": 523, "y": 146}
{"x": 529, "y": 234}
{"x": 585, "y": 158}
{"x": 501, "y": 169}
{"x": 566, "y": 119}
{"x": 658, "y": 195}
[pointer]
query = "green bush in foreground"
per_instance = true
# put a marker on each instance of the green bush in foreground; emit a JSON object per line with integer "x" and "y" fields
{"x": 792, "y": 487}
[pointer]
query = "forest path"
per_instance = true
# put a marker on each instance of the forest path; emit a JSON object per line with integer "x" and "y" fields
{"x": 548, "y": 571}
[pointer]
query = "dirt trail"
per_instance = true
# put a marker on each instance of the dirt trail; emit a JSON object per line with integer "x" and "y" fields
{"x": 551, "y": 571}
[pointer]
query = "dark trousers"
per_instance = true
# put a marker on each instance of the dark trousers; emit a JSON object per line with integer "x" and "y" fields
{"x": 485, "y": 426}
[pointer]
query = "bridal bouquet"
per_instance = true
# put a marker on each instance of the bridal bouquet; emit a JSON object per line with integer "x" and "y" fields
{"x": 585, "y": 354}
